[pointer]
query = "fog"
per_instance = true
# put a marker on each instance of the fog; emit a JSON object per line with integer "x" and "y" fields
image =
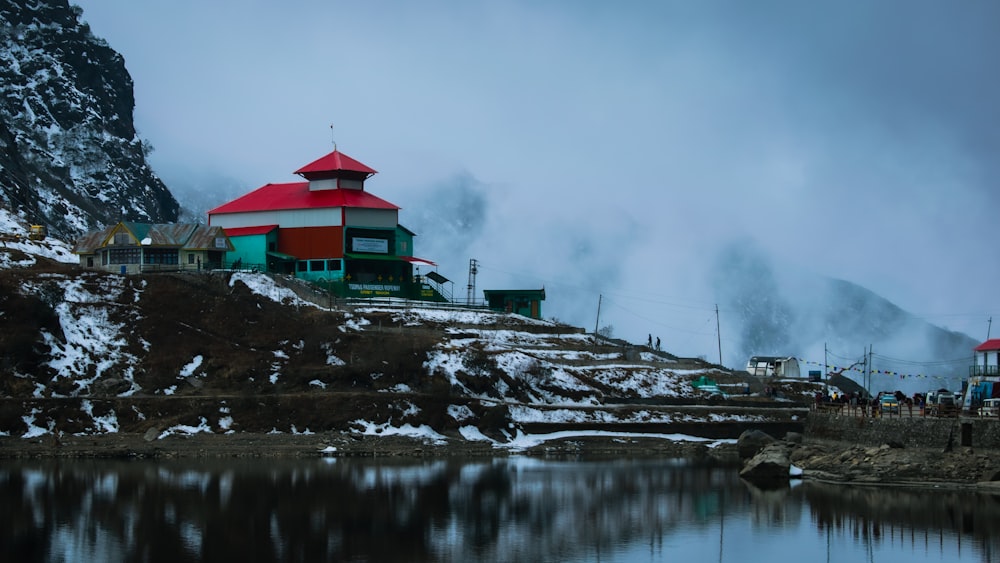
{"x": 661, "y": 159}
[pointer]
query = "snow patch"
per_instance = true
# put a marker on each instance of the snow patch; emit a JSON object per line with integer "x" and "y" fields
{"x": 386, "y": 429}
{"x": 460, "y": 412}
{"x": 263, "y": 285}
{"x": 191, "y": 367}
{"x": 107, "y": 424}
{"x": 186, "y": 430}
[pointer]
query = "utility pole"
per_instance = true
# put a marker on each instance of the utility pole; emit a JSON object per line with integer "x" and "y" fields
{"x": 597, "y": 323}
{"x": 718, "y": 333}
{"x": 871, "y": 348}
{"x": 826, "y": 369}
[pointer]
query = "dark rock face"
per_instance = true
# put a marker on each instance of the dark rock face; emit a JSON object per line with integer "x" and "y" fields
{"x": 770, "y": 466}
{"x": 70, "y": 157}
{"x": 752, "y": 441}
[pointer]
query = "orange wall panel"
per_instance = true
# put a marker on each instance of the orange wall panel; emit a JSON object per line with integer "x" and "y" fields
{"x": 312, "y": 242}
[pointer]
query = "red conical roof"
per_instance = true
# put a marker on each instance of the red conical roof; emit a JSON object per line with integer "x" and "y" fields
{"x": 332, "y": 164}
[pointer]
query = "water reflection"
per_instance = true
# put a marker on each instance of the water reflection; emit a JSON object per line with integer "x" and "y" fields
{"x": 516, "y": 509}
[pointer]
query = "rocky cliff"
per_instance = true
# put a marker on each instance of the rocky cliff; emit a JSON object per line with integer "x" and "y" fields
{"x": 70, "y": 156}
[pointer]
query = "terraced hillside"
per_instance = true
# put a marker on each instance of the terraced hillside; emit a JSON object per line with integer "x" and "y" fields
{"x": 88, "y": 353}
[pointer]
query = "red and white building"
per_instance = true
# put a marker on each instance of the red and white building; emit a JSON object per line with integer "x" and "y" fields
{"x": 327, "y": 229}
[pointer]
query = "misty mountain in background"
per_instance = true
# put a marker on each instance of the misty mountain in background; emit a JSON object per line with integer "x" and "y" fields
{"x": 782, "y": 312}
{"x": 200, "y": 190}
{"x": 70, "y": 157}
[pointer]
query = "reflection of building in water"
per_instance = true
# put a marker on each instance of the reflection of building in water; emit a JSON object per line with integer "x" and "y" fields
{"x": 510, "y": 509}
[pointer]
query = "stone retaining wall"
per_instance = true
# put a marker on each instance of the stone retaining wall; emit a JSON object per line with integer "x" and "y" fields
{"x": 917, "y": 432}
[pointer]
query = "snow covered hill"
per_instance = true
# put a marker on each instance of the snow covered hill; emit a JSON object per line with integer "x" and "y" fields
{"x": 88, "y": 353}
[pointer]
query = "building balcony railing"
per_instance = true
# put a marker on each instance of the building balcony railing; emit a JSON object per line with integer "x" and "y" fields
{"x": 983, "y": 370}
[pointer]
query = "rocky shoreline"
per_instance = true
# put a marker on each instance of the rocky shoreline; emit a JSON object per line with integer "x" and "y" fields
{"x": 340, "y": 444}
{"x": 819, "y": 460}
{"x": 768, "y": 462}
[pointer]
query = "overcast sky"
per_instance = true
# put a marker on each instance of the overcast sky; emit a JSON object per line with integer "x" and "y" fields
{"x": 614, "y": 149}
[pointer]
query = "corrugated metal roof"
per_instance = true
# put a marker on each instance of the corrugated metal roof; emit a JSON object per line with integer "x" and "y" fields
{"x": 296, "y": 195}
{"x": 93, "y": 240}
{"x": 169, "y": 234}
{"x": 204, "y": 237}
{"x": 335, "y": 162}
{"x": 191, "y": 236}
{"x": 138, "y": 230}
{"x": 246, "y": 231}
{"x": 540, "y": 293}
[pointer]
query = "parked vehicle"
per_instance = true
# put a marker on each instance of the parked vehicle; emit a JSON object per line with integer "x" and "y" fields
{"x": 942, "y": 403}
{"x": 991, "y": 407}
{"x": 889, "y": 403}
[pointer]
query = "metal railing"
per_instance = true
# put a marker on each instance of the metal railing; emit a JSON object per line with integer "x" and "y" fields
{"x": 984, "y": 370}
{"x": 331, "y": 298}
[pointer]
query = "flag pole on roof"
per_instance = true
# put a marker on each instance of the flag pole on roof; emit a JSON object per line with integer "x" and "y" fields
{"x": 332, "y": 138}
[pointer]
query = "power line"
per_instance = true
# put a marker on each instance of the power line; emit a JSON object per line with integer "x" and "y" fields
{"x": 919, "y": 363}
{"x": 653, "y": 321}
{"x": 839, "y": 357}
{"x": 702, "y": 305}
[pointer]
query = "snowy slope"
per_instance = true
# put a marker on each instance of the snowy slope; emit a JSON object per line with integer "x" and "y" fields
{"x": 104, "y": 353}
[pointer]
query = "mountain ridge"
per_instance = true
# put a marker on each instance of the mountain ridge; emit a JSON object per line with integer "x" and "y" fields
{"x": 70, "y": 157}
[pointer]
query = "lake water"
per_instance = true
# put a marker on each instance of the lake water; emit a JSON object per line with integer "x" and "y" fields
{"x": 509, "y": 509}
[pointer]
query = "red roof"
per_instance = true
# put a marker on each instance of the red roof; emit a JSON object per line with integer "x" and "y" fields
{"x": 335, "y": 162}
{"x": 245, "y": 231}
{"x": 296, "y": 195}
{"x": 989, "y": 346}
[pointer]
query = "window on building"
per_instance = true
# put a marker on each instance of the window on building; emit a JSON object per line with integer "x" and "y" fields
{"x": 122, "y": 239}
{"x": 316, "y": 265}
{"x": 190, "y": 258}
{"x": 333, "y": 265}
{"x": 220, "y": 242}
{"x": 90, "y": 261}
{"x": 302, "y": 266}
{"x": 160, "y": 256}
{"x": 123, "y": 256}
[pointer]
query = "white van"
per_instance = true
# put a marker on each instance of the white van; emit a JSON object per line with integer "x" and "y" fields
{"x": 991, "y": 407}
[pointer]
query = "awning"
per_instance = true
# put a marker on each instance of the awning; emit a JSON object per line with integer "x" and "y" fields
{"x": 410, "y": 259}
{"x": 415, "y": 260}
{"x": 436, "y": 277}
{"x": 281, "y": 255}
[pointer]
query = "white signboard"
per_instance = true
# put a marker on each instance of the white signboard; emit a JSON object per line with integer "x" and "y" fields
{"x": 375, "y": 245}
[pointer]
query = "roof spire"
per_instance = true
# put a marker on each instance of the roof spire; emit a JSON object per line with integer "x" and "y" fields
{"x": 332, "y": 138}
